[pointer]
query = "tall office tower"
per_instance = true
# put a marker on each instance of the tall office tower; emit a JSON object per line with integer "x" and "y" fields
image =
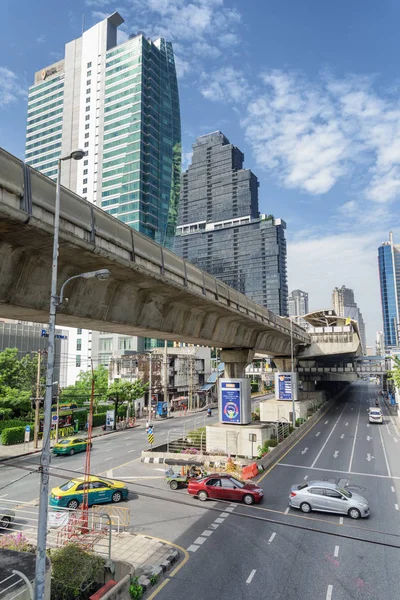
{"x": 298, "y": 306}
{"x": 389, "y": 276}
{"x": 220, "y": 229}
{"x": 380, "y": 344}
{"x": 344, "y": 305}
{"x": 120, "y": 103}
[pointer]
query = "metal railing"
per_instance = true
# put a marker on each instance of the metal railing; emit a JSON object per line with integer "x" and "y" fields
{"x": 8, "y": 584}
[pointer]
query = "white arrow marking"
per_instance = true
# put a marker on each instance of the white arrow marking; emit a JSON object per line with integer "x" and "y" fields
{"x": 367, "y": 424}
{"x": 304, "y": 451}
{"x": 346, "y": 423}
{"x": 317, "y": 434}
{"x": 305, "y": 478}
{"x": 326, "y": 422}
{"x": 342, "y": 436}
{"x": 369, "y": 437}
{"x": 369, "y": 457}
{"x": 336, "y": 454}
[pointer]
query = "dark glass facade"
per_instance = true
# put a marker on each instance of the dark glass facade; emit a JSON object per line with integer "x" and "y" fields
{"x": 220, "y": 229}
{"x": 389, "y": 269}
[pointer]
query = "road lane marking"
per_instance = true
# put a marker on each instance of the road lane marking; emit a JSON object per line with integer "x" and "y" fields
{"x": 250, "y": 577}
{"x": 341, "y": 521}
{"x": 230, "y": 509}
{"x": 384, "y": 453}
{"x": 219, "y": 520}
{"x": 224, "y": 515}
{"x": 355, "y": 438}
{"x": 396, "y": 506}
{"x": 317, "y": 434}
{"x": 304, "y": 451}
{"x": 110, "y": 474}
{"x": 369, "y": 438}
{"x": 133, "y": 450}
{"x": 336, "y": 553}
{"x": 109, "y": 458}
{"x": 271, "y": 539}
{"x": 338, "y": 471}
{"x": 200, "y": 541}
{"x": 326, "y": 422}
{"x": 393, "y": 490}
{"x": 346, "y": 424}
{"x": 214, "y": 525}
{"x": 329, "y": 592}
{"x": 369, "y": 457}
{"x": 341, "y": 436}
{"x": 305, "y": 477}
{"x": 336, "y": 454}
{"x": 192, "y": 548}
{"x": 207, "y": 533}
{"x": 327, "y": 439}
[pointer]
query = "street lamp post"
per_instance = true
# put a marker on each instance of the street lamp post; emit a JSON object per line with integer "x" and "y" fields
{"x": 292, "y": 374}
{"x": 150, "y": 385}
{"x": 40, "y": 572}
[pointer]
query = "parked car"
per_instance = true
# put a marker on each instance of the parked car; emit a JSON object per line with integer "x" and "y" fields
{"x": 328, "y": 497}
{"x": 7, "y": 516}
{"x": 375, "y": 415}
{"x": 225, "y": 487}
{"x": 71, "y": 446}
{"x": 101, "y": 489}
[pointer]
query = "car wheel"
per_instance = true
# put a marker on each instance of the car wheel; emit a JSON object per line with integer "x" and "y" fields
{"x": 202, "y": 495}
{"x": 354, "y": 513}
{"x": 71, "y": 452}
{"x": 73, "y": 504}
{"x": 248, "y": 499}
{"x": 116, "y": 497}
{"x": 5, "y": 522}
{"x": 173, "y": 484}
{"x": 305, "y": 507}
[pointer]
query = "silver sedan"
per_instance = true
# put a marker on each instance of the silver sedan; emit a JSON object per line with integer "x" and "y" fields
{"x": 325, "y": 496}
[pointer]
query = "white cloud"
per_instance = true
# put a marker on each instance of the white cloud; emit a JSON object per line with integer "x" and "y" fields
{"x": 225, "y": 85}
{"x": 318, "y": 264}
{"x": 41, "y": 39}
{"x": 10, "y": 88}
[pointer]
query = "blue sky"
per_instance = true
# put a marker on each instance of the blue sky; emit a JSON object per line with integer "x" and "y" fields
{"x": 308, "y": 90}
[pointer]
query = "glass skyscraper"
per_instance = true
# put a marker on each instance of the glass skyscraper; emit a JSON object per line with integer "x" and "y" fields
{"x": 389, "y": 276}
{"x": 220, "y": 229}
{"x": 120, "y": 104}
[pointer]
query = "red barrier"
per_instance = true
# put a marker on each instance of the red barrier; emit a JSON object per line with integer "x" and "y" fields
{"x": 250, "y": 471}
{"x": 103, "y": 590}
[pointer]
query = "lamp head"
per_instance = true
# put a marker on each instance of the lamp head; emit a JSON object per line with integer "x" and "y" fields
{"x": 77, "y": 154}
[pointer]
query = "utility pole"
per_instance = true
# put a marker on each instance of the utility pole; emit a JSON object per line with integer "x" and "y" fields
{"x": 37, "y": 401}
{"x": 58, "y": 412}
{"x": 190, "y": 382}
{"x": 150, "y": 386}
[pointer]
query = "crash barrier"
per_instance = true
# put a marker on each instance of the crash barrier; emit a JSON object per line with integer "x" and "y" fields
{"x": 250, "y": 471}
{"x": 120, "y": 516}
{"x": 103, "y": 590}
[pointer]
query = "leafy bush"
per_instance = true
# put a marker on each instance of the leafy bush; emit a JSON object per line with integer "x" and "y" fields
{"x": 273, "y": 443}
{"x": 255, "y": 416}
{"x": 5, "y": 413}
{"x": 12, "y": 423}
{"x": 14, "y": 435}
{"x": 81, "y": 417}
{"x": 300, "y": 421}
{"x": 196, "y": 436}
{"x": 99, "y": 419}
{"x": 190, "y": 451}
{"x": 17, "y": 542}
{"x": 135, "y": 589}
{"x": 74, "y": 573}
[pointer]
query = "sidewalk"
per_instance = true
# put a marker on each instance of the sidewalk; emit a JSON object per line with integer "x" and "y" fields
{"x": 148, "y": 555}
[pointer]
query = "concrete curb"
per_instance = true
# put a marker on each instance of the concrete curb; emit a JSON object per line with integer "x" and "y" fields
{"x": 157, "y": 571}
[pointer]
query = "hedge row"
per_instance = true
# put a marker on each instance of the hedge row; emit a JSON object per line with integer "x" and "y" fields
{"x": 99, "y": 419}
{"x": 12, "y": 423}
{"x": 14, "y": 435}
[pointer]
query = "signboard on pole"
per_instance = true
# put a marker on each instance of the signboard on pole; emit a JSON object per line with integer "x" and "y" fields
{"x": 27, "y": 434}
{"x": 110, "y": 417}
{"x": 230, "y": 401}
{"x": 285, "y": 385}
{"x": 150, "y": 435}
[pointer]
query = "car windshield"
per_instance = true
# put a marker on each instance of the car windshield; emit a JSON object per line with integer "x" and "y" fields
{"x": 344, "y": 492}
{"x": 67, "y": 486}
{"x": 64, "y": 442}
{"x": 236, "y": 482}
{"x": 377, "y": 413}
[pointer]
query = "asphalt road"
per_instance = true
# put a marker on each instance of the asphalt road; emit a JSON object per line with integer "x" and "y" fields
{"x": 276, "y": 552}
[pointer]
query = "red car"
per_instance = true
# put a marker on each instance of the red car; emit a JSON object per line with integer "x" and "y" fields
{"x": 225, "y": 487}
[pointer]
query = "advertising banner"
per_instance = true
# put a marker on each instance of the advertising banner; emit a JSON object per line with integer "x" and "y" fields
{"x": 285, "y": 386}
{"x": 110, "y": 416}
{"x": 231, "y": 401}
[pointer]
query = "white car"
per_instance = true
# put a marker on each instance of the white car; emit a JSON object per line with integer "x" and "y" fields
{"x": 375, "y": 415}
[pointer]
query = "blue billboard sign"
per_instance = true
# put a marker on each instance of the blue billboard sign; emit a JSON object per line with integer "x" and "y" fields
{"x": 231, "y": 401}
{"x": 285, "y": 386}
{"x": 162, "y": 408}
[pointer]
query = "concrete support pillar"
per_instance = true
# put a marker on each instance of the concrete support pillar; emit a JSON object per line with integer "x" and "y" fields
{"x": 236, "y": 361}
{"x": 309, "y": 386}
{"x": 284, "y": 365}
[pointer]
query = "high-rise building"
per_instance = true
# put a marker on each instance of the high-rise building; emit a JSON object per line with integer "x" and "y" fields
{"x": 221, "y": 230}
{"x": 119, "y": 103}
{"x": 389, "y": 276}
{"x": 344, "y": 305}
{"x": 380, "y": 343}
{"x": 298, "y": 306}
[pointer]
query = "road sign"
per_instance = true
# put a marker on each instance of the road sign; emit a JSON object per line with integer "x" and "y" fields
{"x": 150, "y": 436}
{"x": 252, "y": 437}
{"x": 54, "y": 418}
{"x": 27, "y": 428}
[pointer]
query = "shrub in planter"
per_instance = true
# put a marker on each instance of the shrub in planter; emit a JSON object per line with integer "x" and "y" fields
{"x": 14, "y": 435}
{"x": 17, "y": 542}
{"x": 273, "y": 443}
{"x": 99, "y": 419}
{"x": 74, "y": 572}
{"x": 6, "y": 424}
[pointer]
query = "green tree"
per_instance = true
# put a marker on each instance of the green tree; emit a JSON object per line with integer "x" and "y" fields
{"x": 74, "y": 572}
{"x": 394, "y": 374}
{"x": 17, "y": 382}
{"x": 81, "y": 391}
{"x": 125, "y": 391}
{"x": 9, "y": 368}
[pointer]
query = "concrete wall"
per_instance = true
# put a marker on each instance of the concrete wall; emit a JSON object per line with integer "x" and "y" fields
{"x": 234, "y": 439}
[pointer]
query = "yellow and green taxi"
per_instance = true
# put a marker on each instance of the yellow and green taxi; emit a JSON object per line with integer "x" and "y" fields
{"x": 70, "y": 446}
{"x": 101, "y": 489}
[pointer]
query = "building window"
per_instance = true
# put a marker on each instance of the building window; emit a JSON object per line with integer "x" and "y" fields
{"x": 85, "y": 171}
{"x": 89, "y": 65}
{"x": 89, "y": 81}
{"x": 84, "y": 190}
{"x": 105, "y": 344}
{"x": 79, "y": 331}
{"x": 78, "y": 344}
{"x": 85, "y": 163}
{"x": 87, "y": 108}
{"x": 88, "y": 100}
{"x": 104, "y": 359}
{"x": 78, "y": 360}
{"x": 88, "y": 90}
{"x": 88, "y": 74}
{"x": 86, "y": 144}
{"x": 84, "y": 181}
{"x": 87, "y": 125}
{"x": 125, "y": 343}
{"x": 87, "y": 117}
